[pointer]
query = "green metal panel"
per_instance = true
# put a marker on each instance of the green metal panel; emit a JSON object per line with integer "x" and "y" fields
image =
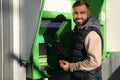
{"x": 35, "y": 73}
{"x": 102, "y": 19}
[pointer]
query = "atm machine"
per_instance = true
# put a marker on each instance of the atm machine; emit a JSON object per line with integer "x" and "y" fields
{"x": 52, "y": 37}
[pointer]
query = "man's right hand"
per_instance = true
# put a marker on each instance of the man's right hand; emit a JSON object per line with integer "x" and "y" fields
{"x": 64, "y": 65}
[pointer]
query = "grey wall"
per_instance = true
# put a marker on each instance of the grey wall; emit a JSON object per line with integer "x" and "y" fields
{"x": 6, "y": 40}
{"x": 10, "y": 67}
{"x": 5, "y": 62}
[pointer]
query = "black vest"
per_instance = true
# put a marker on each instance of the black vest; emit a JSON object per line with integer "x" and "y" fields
{"x": 78, "y": 53}
{"x": 77, "y": 49}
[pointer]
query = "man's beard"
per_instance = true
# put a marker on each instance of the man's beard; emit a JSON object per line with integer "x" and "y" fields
{"x": 80, "y": 24}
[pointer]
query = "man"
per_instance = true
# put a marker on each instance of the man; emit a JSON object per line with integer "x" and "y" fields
{"x": 86, "y": 45}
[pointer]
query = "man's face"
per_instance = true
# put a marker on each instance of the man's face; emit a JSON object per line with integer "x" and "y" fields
{"x": 80, "y": 14}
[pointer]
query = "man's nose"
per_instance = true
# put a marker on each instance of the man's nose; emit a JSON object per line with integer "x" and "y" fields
{"x": 79, "y": 16}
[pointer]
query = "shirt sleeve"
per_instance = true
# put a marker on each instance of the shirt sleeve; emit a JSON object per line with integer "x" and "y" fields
{"x": 94, "y": 53}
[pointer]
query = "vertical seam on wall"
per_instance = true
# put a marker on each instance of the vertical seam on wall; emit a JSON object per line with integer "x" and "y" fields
{"x": 2, "y": 34}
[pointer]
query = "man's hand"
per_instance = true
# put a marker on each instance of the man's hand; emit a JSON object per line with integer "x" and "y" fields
{"x": 64, "y": 65}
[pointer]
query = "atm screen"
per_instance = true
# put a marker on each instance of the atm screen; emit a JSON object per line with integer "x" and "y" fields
{"x": 51, "y": 24}
{"x": 47, "y": 48}
{"x": 48, "y": 31}
{"x": 42, "y": 49}
{"x": 52, "y": 33}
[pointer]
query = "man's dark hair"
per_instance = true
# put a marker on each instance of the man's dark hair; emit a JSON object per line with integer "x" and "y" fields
{"x": 79, "y": 3}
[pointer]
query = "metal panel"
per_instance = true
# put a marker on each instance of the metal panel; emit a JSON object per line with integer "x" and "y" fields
{"x": 6, "y": 40}
{"x": 1, "y": 27}
{"x": 11, "y": 39}
{"x": 29, "y": 14}
{"x": 5, "y": 68}
{"x": 109, "y": 69}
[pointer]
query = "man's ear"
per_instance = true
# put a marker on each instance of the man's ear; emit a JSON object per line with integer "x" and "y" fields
{"x": 89, "y": 13}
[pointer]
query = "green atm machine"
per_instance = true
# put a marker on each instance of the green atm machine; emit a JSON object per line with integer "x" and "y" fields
{"x": 52, "y": 38}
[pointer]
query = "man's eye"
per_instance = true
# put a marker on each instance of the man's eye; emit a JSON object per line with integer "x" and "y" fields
{"x": 75, "y": 12}
{"x": 82, "y": 12}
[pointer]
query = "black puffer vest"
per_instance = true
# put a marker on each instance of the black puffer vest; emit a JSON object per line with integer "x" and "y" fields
{"x": 78, "y": 53}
